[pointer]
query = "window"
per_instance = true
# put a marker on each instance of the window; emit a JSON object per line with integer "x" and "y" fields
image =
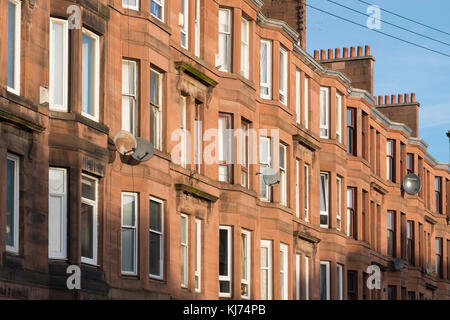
{"x": 129, "y": 97}
{"x": 306, "y": 190}
{"x": 57, "y": 213}
{"x": 12, "y": 203}
{"x": 411, "y": 295}
{"x": 266, "y": 270}
{"x": 402, "y": 160}
{"x": 390, "y": 160}
{"x": 265, "y": 69}
{"x": 364, "y": 137}
{"x": 340, "y": 278}
{"x": 351, "y": 131}
{"x": 364, "y": 216}
{"x": 131, "y": 4}
{"x": 198, "y": 255}
{"x": 339, "y": 203}
{"x": 225, "y": 261}
{"x": 297, "y": 95}
{"x": 245, "y": 264}
{"x": 129, "y": 232}
{"x": 265, "y": 162}
{"x": 14, "y": 25}
{"x": 409, "y": 163}
{"x": 438, "y": 258}
{"x": 184, "y": 23}
{"x": 306, "y": 278}
{"x": 198, "y": 137}
{"x": 59, "y": 65}
{"x": 184, "y": 135}
{"x": 351, "y": 212}
{"x": 438, "y": 194}
{"x": 156, "y": 235}
{"x": 338, "y": 117}
{"x": 156, "y": 109}
{"x": 197, "y": 28}
{"x": 225, "y": 147}
{"x": 352, "y": 285}
{"x": 297, "y": 276}
{"x": 157, "y": 9}
{"x": 89, "y": 200}
{"x": 324, "y": 199}
{"x": 245, "y": 174}
{"x": 391, "y": 233}
{"x": 283, "y": 175}
{"x": 284, "y": 271}
{"x": 224, "y": 57}
{"x": 324, "y": 280}
{"x": 90, "y": 70}
{"x": 245, "y": 44}
{"x": 283, "y": 76}
{"x": 297, "y": 188}
{"x": 324, "y": 113}
{"x": 184, "y": 250}
{"x": 306, "y": 93}
{"x": 392, "y": 293}
{"x": 410, "y": 241}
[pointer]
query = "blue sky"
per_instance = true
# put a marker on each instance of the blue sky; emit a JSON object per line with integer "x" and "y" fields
{"x": 399, "y": 67}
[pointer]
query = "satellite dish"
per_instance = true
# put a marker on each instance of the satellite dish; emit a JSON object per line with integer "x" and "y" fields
{"x": 270, "y": 176}
{"x": 411, "y": 184}
{"x": 125, "y": 142}
{"x": 429, "y": 268}
{"x": 143, "y": 151}
{"x": 398, "y": 264}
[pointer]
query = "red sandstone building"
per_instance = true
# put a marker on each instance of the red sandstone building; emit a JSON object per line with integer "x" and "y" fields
{"x": 71, "y": 77}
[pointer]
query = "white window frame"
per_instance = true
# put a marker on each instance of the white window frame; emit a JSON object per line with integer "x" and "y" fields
{"x": 265, "y": 164}
{"x": 197, "y": 29}
{"x": 198, "y": 255}
{"x": 327, "y": 198}
{"x": 185, "y": 264}
{"x": 297, "y": 276}
{"x": 268, "y": 245}
{"x": 16, "y": 160}
{"x": 245, "y": 48}
{"x": 94, "y": 204}
{"x": 283, "y": 90}
{"x": 184, "y": 27}
{"x": 247, "y": 250}
{"x": 306, "y": 278}
{"x": 298, "y": 95}
{"x": 268, "y": 68}
{"x": 62, "y": 196}
{"x": 306, "y": 198}
{"x": 324, "y": 117}
{"x": 64, "y": 68}
{"x": 339, "y": 117}
{"x": 340, "y": 281}
{"x": 135, "y": 227}
{"x": 161, "y": 4}
{"x": 17, "y": 44}
{"x": 134, "y": 96}
{"x": 129, "y": 6}
{"x": 284, "y": 271}
{"x": 339, "y": 203}
{"x": 297, "y": 188}
{"x": 225, "y": 57}
{"x": 161, "y": 233}
{"x": 229, "y": 276}
{"x": 183, "y": 124}
{"x": 283, "y": 176}
{"x": 158, "y": 105}
{"x": 96, "y": 77}
{"x": 306, "y": 94}
{"x": 327, "y": 264}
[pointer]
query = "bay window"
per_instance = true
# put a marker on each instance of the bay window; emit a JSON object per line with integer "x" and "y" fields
{"x": 224, "y": 56}
{"x": 266, "y": 269}
{"x": 129, "y": 97}
{"x": 12, "y": 203}
{"x": 89, "y": 205}
{"x": 156, "y": 236}
{"x": 59, "y": 65}
{"x": 90, "y": 74}
{"x": 225, "y": 261}
{"x": 129, "y": 233}
{"x": 57, "y": 213}
{"x": 245, "y": 264}
{"x": 265, "y": 69}
{"x": 324, "y": 112}
{"x": 324, "y": 199}
{"x": 14, "y": 25}
{"x": 283, "y": 76}
{"x": 245, "y": 45}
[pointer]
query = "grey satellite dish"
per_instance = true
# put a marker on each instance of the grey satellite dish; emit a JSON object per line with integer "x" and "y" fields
{"x": 270, "y": 176}
{"x": 125, "y": 143}
{"x": 144, "y": 150}
{"x": 398, "y": 264}
{"x": 411, "y": 184}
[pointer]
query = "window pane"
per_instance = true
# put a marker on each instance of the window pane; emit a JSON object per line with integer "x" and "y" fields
{"x": 128, "y": 210}
{"x": 323, "y": 282}
{"x": 57, "y": 43}
{"x": 87, "y": 231}
{"x": 10, "y": 202}
{"x": 54, "y": 216}
{"x": 323, "y": 193}
{"x": 155, "y": 253}
{"x": 154, "y": 87}
{"x": 155, "y": 216}
{"x": 183, "y": 229}
{"x": 11, "y": 43}
{"x": 56, "y": 181}
{"x": 223, "y": 252}
{"x": 156, "y": 9}
{"x": 224, "y": 20}
{"x": 128, "y": 250}
{"x": 87, "y": 70}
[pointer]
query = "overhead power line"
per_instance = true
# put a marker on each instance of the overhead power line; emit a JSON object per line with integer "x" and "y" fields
{"x": 381, "y": 32}
{"x": 406, "y": 18}
{"x": 389, "y": 23}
